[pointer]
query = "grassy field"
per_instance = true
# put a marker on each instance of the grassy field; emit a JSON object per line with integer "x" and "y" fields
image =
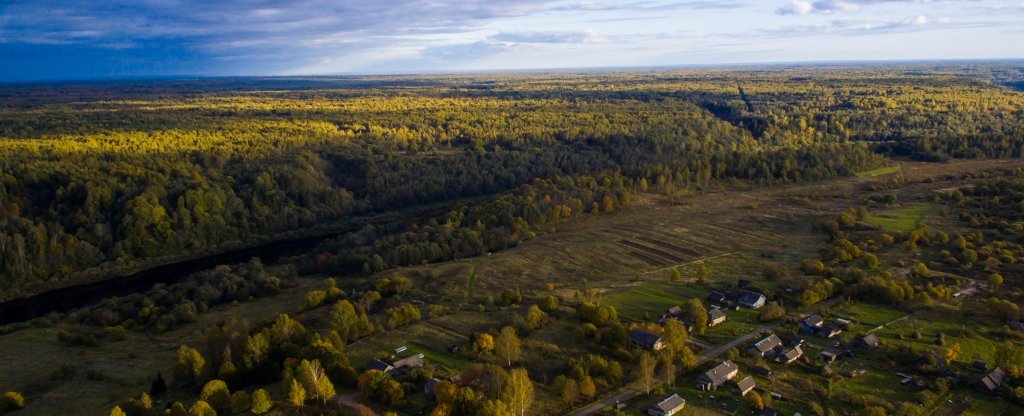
{"x": 901, "y": 220}
{"x": 887, "y": 170}
{"x": 650, "y": 300}
{"x": 866, "y": 317}
{"x": 738, "y": 322}
{"x": 957, "y": 330}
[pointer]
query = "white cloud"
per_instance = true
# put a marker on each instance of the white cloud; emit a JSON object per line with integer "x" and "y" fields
{"x": 796, "y": 7}
{"x": 586, "y": 36}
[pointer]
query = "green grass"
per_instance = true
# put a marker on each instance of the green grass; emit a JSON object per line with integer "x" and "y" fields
{"x": 878, "y": 172}
{"x": 877, "y": 381}
{"x": 972, "y": 344}
{"x": 737, "y": 323}
{"x": 984, "y": 405}
{"x": 867, "y": 316}
{"x": 431, "y": 355}
{"x": 901, "y": 220}
{"x": 650, "y": 300}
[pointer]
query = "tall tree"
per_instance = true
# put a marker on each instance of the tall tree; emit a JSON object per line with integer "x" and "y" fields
{"x": 518, "y": 391}
{"x": 674, "y": 335}
{"x": 587, "y": 388}
{"x": 668, "y": 370}
{"x": 570, "y": 390}
{"x": 645, "y": 371}
{"x": 314, "y": 380}
{"x": 295, "y": 395}
{"x": 507, "y": 345}
{"x": 699, "y": 314}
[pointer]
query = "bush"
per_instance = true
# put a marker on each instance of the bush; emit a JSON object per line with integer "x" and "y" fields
{"x": 261, "y": 402}
{"x": 11, "y": 400}
{"x": 314, "y": 299}
{"x": 216, "y": 394}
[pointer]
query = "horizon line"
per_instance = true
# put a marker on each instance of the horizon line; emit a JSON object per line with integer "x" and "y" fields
{"x": 495, "y": 71}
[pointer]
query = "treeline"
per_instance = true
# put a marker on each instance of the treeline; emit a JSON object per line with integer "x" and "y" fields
{"x": 472, "y": 230}
{"x": 165, "y": 307}
{"x": 124, "y": 176}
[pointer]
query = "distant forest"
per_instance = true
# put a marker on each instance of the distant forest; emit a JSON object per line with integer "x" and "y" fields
{"x": 107, "y": 177}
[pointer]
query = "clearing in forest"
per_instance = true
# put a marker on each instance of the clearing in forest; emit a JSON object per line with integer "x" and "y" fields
{"x": 901, "y": 220}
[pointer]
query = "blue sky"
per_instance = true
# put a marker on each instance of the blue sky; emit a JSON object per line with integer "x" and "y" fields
{"x": 77, "y": 39}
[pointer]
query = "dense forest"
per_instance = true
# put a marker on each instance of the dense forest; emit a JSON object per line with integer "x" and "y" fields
{"x": 534, "y": 225}
{"x": 97, "y": 179}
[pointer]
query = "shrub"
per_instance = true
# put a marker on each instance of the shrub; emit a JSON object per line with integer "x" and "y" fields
{"x": 12, "y": 400}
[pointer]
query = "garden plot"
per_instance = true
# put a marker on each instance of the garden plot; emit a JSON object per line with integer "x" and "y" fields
{"x": 652, "y": 251}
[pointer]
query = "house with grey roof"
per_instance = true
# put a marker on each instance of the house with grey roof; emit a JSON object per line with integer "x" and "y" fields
{"x": 641, "y": 339}
{"x": 990, "y": 382}
{"x": 716, "y": 316}
{"x": 767, "y": 347}
{"x": 791, "y": 355}
{"x": 668, "y": 406}
{"x": 745, "y": 386}
{"x": 717, "y": 376}
{"x": 752, "y": 300}
{"x": 811, "y": 324}
{"x": 868, "y": 341}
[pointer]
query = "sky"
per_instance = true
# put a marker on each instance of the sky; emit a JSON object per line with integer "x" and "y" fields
{"x": 44, "y": 40}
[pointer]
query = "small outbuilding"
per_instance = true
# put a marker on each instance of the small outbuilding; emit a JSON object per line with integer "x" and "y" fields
{"x": 746, "y": 385}
{"x": 868, "y": 341}
{"x": 829, "y": 331}
{"x": 791, "y": 355}
{"x": 716, "y": 316}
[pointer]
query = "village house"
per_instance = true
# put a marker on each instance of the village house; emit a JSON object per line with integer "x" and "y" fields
{"x": 811, "y": 324}
{"x": 674, "y": 312}
{"x": 990, "y": 382}
{"x": 668, "y": 406}
{"x": 868, "y": 341}
{"x": 717, "y": 376}
{"x": 410, "y": 362}
{"x": 428, "y": 388}
{"x": 375, "y": 364}
{"x": 745, "y": 386}
{"x": 791, "y": 355}
{"x": 979, "y": 365}
{"x": 762, "y": 371}
{"x": 767, "y": 347}
{"x": 751, "y": 300}
{"x": 829, "y": 331}
{"x": 829, "y": 355}
{"x": 717, "y": 298}
{"x": 715, "y": 316}
{"x": 796, "y": 342}
{"x": 644, "y": 340}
